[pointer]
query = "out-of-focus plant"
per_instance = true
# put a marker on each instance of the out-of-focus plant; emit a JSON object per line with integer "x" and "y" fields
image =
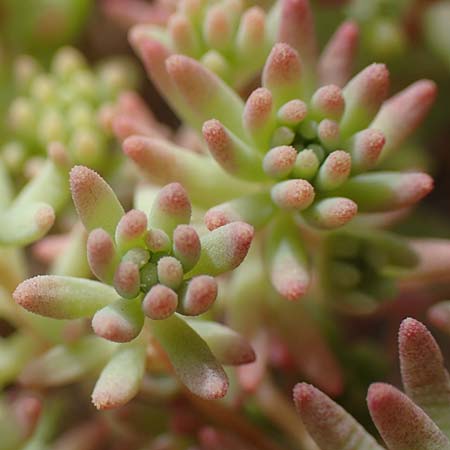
{"x": 63, "y": 105}
{"x": 41, "y": 26}
{"x": 56, "y": 121}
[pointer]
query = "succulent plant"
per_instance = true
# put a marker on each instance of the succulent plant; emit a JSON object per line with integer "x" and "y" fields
{"x": 157, "y": 267}
{"x": 224, "y": 36}
{"x": 283, "y": 176}
{"x": 300, "y": 148}
{"x": 360, "y": 268}
{"x": 55, "y": 122}
{"x": 415, "y": 420}
{"x": 63, "y": 105}
{"x": 43, "y": 26}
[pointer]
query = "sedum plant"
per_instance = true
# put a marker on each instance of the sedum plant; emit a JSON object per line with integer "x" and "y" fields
{"x": 359, "y": 268}
{"x": 229, "y": 39}
{"x": 156, "y": 267}
{"x": 42, "y": 26}
{"x": 311, "y": 145}
{"x": 415, "y": 420}
{"x": 55, "y": 121}
{"x": 62, "y": 105}
{"x": 160, "y": 293}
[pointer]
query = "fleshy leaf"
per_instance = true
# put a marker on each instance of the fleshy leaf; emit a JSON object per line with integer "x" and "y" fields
{"x": 223, "y": 249}
{"x": 207, "y": 95}
{"x": 165, "y": 162}
{"x": 15, "y": 351}
{"x": 170, "y": 208}
{"x": 228, "y": 347}
{"x": 51, "y": 184}
{"x": 336, "y": 60}
{"x": 329, "y": 213}
{"x": 191, "y": 358}
{"x": 287, "y": 260}
{"x": 328, "y": 423}
{"x": 402, "y": 114}
{"x": 120, "y": 321}
{"x": 386, "y": 191}
{"x": 24, "y": 224}
{"x": 255, "y": 209}
{"x": 401, "y": 423}
{"x": 364, "y": 94}
{"x": 95, "y": 201}
{"x": 65, "y": 364}
{"x": 121, "y": 378}
{"x": 197, "y": 295}
{"x": 425, "y": 379}
{"x": 62, "y": 297}
{"x": 234, "y": 155}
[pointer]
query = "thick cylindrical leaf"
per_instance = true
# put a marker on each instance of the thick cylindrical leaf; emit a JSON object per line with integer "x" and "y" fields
{"x": 386, "y": 191}
{"x": 425, "y": 379}
{"x": 120, "y": 321}
{"x": 121, "y": 378}
{"x": 25, "y": 224}
{"x": 63, "y": 297}
{"x": 401, "y": 423}
{"x": 65, "y": 364}
{"x": 206, "y": 94}
{"x": 170, "y": 208}
{"x": 191, "y": 358}
{"x": 255, "y": 209}
{"x": 228, "y": 347}
{"x": 328, "y": 423}
{"x": 164, "y": 162}
{"x": 337, "y": 58}
{"x": 363, "y": 95}
{"x": 95, "y": 201}
{"x": 223, "y": 249}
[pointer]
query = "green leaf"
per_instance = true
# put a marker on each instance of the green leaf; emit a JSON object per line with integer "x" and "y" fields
{"x": 65, "y": 364}
{"x": 62, "y": 297}
{"x": 191, "y": 358}
{"x": 121, "y": 378}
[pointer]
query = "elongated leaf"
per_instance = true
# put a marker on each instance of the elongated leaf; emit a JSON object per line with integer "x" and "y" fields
{"x": 65, "y": 364}
{"x": 206, "y": 94}
{"x": 95, "y": 201}
{"x": 223, "y": 249}
{"x": 425, "y": 379}
{"x": 164, "y": 162}
{"x": 25, "y": 224}
{"x": 15, "y": 352}
{"x": 227, "y": 346}
{"x": 329, "y": 424}
{"x": 50, "y": 186}
{"x": 63, "y": 297}
{"x": 121, "y": 378}
{"x": 401, "y": 423}
{"x": 191, "y": 358}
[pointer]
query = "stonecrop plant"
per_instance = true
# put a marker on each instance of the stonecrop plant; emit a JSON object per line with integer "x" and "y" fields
{"x": 310, "y": 145}
{"x": 168, "y": 279}
{"x": 156, "y": 266}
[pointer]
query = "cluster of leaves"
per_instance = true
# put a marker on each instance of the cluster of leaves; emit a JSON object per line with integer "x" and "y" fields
{"x": 417, "y": 420}
{"x": 300, "y": 144}
{"x": 300, "y": 169}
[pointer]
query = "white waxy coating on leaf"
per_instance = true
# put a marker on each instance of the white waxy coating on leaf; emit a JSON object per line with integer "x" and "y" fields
{"x": 63, "y": 297}
{"x": 121, "y": 378}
